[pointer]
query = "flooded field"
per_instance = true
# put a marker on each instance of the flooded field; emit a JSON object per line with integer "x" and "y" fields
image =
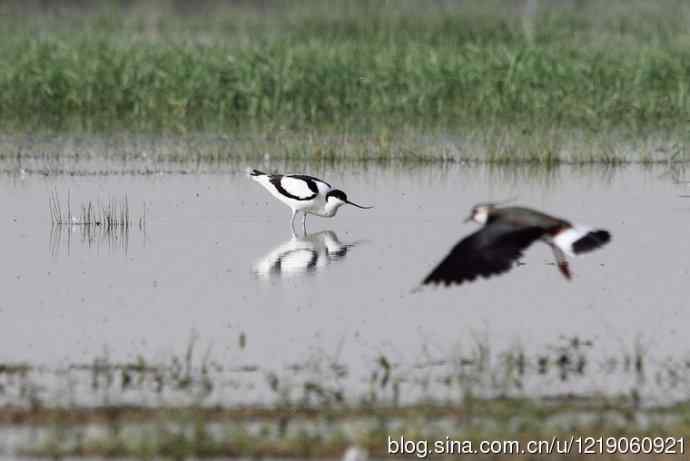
{"x": 162, "y": 306}
{"x": 210, "y": 289}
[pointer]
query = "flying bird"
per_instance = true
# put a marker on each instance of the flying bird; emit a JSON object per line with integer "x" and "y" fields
{"x": 303, "y": 193}
{"x": 506, "y": 233}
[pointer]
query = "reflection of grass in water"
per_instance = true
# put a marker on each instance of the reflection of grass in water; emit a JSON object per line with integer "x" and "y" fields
{"x": 404, "y": 147}
{"x": 97, "y": 222}
{"x": 322, "y": 382}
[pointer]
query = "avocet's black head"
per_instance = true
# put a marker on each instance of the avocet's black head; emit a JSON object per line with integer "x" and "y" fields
{"x": 338, "y": 198}
{"x": 336, "y": 194}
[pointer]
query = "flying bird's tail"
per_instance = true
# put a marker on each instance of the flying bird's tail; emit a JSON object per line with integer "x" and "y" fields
{"x": 252, "y": 172}
{"x": 579, "y": 239}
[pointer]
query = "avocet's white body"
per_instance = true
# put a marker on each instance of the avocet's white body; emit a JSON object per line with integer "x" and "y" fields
{"x": 303, "y": 193}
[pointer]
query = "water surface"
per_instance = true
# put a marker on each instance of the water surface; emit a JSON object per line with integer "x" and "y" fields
{"x": 211, "y": 269}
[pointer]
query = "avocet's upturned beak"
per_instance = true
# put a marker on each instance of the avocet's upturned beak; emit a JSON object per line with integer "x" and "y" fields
{"x": 359, "y": 206}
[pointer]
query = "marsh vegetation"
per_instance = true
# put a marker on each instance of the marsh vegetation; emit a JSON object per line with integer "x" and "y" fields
{"x": 567, "y": 80}
{"x": 97, "y": 222}
{"x": 315, "y": 416}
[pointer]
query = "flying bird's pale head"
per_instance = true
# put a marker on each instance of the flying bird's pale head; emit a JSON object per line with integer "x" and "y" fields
{"x": 480, "y": 213}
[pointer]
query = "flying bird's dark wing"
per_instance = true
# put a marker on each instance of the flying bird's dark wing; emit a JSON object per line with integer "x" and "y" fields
{"x": 489, "y": 251}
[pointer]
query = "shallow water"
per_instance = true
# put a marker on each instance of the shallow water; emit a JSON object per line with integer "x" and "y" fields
{"x": 205, "y": 269}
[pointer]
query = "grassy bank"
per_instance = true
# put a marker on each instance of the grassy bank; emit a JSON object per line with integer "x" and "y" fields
{"x": 588, "y": 65}
{"x": 291, "y": 433}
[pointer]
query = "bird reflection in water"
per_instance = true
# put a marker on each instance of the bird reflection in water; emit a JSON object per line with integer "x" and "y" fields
{"x": 302, "y": 255}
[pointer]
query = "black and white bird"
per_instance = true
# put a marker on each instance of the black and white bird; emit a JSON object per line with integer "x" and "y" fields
{"x": 303, "y": 193}
{"x": 505, "y": 234}
{"x": 302, "y": 255}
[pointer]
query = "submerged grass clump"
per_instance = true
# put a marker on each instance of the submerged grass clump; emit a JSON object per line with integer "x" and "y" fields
{"x": 587, "y": 64}
{"x": 112, "y": 214}
{"x": 98, "y": 222}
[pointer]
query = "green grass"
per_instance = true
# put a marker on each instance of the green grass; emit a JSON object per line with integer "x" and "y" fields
{"x": 595, "y": 67}
{"x": 190, "y": 434}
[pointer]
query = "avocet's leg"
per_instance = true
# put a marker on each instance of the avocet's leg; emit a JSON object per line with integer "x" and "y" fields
{"x": 304, "y": 222}
{"x": 292, "y": 222}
